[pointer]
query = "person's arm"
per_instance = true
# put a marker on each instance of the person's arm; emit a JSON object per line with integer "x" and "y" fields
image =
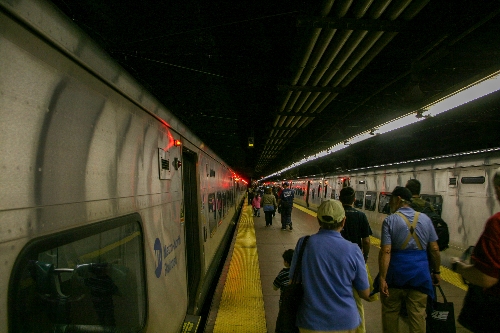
{"x": 435, "y": 261}
{"x": 384, "y": 258}
{"x": 366, "y": 247}
{"x": 472, "y": 274}
{"x": 364, "y": 294}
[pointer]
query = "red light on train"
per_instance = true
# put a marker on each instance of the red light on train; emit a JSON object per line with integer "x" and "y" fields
{"x": 177, "y": 143}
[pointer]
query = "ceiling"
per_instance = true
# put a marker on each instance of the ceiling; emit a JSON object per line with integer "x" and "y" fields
{"x": 301, "y": 76}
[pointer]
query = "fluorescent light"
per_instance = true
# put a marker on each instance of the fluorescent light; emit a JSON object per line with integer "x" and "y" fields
{"x": 466, "y": 95}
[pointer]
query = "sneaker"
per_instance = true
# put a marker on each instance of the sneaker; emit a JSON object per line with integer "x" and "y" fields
{"x": 291, "y": 228}
{"x": 283, "y": 229}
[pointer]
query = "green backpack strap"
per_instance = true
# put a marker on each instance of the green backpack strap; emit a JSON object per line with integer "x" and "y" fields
{"x": 412, "y": 226}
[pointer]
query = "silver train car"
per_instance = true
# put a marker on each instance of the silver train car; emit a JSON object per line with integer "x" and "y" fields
{"x": 458, "y": 185}
{"x": 113, "y": 215}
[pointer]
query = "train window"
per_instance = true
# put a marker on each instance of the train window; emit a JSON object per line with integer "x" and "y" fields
{"x": 370, "y": 200}
{"x": 88, "y": 279}
{"x": 358, "y": 199}
{"x": 435, "y": 200}
{"x": 383, "y": 203}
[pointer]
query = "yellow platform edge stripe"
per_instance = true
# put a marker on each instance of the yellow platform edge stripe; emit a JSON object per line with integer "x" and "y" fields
{"x": 241, "y": 308}
{"x": 446, "y": 274}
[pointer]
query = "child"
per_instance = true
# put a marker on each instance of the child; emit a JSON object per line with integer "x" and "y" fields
{"x": 281, "y": 281}
{"x": 256, "y": 205}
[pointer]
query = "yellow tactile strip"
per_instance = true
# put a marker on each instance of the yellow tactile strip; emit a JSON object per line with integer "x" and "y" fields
{"x": 241, "y": 307}
{"x": 446, "y": 274}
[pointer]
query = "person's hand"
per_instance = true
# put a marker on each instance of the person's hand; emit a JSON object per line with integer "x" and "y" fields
{"x": 436, "y": 279}
{"x": 453, "y": 263}
{"x": 384, "y": 288}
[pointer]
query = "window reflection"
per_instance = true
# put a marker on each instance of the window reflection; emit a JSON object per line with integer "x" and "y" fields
{"x": 91, "y": 284}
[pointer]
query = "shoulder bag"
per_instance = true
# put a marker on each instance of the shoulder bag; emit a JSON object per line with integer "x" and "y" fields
{"x": 291, "y": 298}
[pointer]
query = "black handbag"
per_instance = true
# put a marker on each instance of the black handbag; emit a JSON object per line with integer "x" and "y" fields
{"x": 480, "y": 311}
{"x": 291, "y": 299}
{"x": 442, "y": 317}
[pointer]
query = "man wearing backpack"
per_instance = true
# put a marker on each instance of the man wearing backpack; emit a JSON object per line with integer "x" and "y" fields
{"x": 423, "y": 206}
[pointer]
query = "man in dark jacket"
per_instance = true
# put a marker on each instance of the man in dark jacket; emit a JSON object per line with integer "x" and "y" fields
{"x": 285, "y": 201}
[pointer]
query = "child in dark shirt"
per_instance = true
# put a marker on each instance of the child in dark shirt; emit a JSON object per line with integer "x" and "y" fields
{"x": 281, "y": 281}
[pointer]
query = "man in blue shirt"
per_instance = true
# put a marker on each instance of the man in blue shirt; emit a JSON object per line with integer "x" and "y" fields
{"x": 285, "y": 201}
{"x": 331, "y": 268}
{"x": 407, "y": 237}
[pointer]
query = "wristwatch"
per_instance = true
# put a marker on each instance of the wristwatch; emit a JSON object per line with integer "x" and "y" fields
{"x": 436, "y": 272}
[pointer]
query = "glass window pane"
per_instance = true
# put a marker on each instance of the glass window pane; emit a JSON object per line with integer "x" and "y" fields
{"x": 383, "y": 206}
{"x": 370, "y": 200}
{"x": 358, "y": 200}
{"x": 88, "y": 280}
{"x": 435, "y": 200}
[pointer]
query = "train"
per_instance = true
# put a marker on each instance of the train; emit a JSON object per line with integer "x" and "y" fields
{"x": 114, "y": 216}
{"x": 458, "y": 185}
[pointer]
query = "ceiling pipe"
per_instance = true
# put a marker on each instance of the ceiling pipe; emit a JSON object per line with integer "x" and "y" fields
{"x": 326, "y": 8}
{"x": 392, "y": 14}
{"x": 312, "y": 42}
{"x": 378, "y": 9}
{"x": 409, "y": 12}
{"x": 326, "y": 73}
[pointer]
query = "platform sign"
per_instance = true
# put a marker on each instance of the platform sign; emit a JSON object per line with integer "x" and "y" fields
{"x": 191, "y": 324}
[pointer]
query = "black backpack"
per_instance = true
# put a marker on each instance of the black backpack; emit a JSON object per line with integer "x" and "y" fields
{"x": 440, "y": 226}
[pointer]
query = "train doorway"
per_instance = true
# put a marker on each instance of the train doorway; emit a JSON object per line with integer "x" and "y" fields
{"x": 192, "y": 236}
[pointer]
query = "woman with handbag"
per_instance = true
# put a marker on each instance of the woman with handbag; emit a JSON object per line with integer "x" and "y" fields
{"x": 269, "y": 203}
{"x": 331, "y": 268}
{"x": 481, "y": 309}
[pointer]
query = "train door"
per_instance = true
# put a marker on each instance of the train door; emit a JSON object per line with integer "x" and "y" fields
{"x": 192, "y": 236}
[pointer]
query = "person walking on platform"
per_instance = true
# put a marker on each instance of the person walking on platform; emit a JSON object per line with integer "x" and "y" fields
{"x": 251, "y": 194}
{"x": 256, "y": 205}
{"x": 358, "y": 231}
{"x": 283, "y": 278}
{"x": 285, "y": 202}
{"x": 417, "y": 203}
{"x": 269, "y": 205}
{"x": 331, "y": 268}
{"x": 407, "y": 237}
{"x": 482, "y": 302}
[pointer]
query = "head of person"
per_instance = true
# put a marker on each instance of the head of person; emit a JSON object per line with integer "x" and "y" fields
{"x": 287, "y": 256}
{"x": 347, "y": 196}
{"x": 496, "y": 183}
{"x": 268, "y": 190}
{"x": 414, "y": 186}
{"x": 285, "y": 185}
{"x": 331, "y": 215}
{"x": 400, "y": 197}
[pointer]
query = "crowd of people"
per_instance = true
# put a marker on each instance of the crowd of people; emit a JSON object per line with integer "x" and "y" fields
{"x": 335, "y": 276}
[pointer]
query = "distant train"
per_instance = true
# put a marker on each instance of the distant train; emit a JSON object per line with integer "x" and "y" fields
{"x": 458, "y": 185}
{"x": 113, "y": 215}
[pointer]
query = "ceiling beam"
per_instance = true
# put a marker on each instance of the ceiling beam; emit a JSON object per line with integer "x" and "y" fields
{"x": 351, "y": 24}
{"x": 310, "y": 89}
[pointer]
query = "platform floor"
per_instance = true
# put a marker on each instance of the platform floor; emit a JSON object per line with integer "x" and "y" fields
{"x": 246, "y": 300}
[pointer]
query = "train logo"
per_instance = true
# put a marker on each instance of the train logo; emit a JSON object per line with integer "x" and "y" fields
{"x": 158, "y": 256}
